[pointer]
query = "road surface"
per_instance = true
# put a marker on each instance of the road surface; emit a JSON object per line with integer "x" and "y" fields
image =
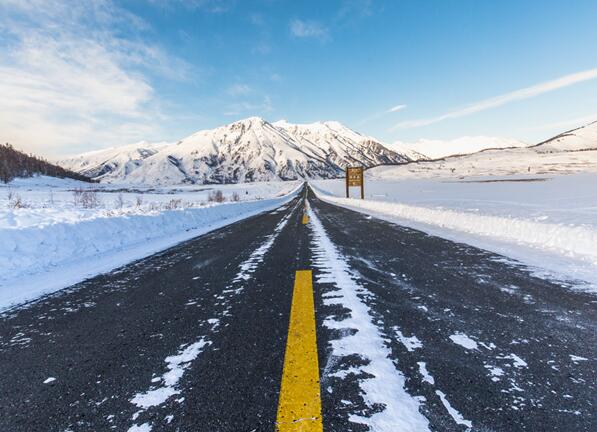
{"x": 311, "y": 316}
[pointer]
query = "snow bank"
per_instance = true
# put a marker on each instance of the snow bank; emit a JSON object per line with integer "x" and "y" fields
{"x": 40, "y": 259}
{"x": 573, "y": 241}
{"x": 559, "y": 248}
{"x": 49, "y": 200}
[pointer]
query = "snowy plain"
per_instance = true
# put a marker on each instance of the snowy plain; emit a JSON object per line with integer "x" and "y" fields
{"x": 546, "y": 221}
{"x": 49, "y": 200}
{"x": 48, "y": 242}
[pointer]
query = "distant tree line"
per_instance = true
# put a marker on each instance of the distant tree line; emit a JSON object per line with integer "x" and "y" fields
{"x": 15, "y": 163}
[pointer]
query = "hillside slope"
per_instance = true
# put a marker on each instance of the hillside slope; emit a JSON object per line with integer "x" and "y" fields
{"x": 569, "y": 152}
{"x": 15, "y": 163}
{"x": 582, "y": 138}
{"x": 435, "y": 148}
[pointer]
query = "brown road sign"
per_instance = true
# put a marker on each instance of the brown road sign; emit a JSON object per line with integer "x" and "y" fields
{"x": 355, "y": 176}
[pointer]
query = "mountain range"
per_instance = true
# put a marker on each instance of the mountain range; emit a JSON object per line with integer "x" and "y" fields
{"x": 256, "y": 150}
{"x": 244, "y": 151}
{"x": 569, "y": 152}
{"x": 435, "y": 148}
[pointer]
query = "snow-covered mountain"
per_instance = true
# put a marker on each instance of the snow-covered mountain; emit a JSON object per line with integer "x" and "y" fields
{"x": 244, "y": 151}
{"x": 434, "y": 148}
{"x": 343, "y": 144}
{"x": 569, "y": 152}
{"x": 582, "y": 138}
{"x": 114, "y": 161}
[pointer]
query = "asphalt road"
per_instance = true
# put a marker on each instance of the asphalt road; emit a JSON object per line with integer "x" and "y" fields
{"x": 194, "y": 338}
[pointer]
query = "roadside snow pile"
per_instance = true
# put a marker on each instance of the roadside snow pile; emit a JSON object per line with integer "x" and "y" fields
{"x": 42, "y": 258}
{"x": 575, "y": 242}
{"x": 555, "y": 216}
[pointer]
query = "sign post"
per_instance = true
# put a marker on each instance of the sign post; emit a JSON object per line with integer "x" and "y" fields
{"x": 355, "y": 177}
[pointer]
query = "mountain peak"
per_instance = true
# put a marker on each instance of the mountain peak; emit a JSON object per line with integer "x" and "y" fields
{"x": 251, "y": 121}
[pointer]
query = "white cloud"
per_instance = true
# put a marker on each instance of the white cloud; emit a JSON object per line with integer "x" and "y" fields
{"x": 308, "y": 29}
{"x": 500, "y": 100}
{"x": 211, "y": 6}
{"x": 396, "y": 108}
{"x": 239, "y": 90}
{"x": 68, "y": 81}
{"x": 261, "y": 48}
{"x": 264, "y": 106}
{"x": 565, "y": 124}
{"x": 378, "y": 115}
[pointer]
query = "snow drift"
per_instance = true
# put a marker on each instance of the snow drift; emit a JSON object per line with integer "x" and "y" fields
{"x": 40, "y": 259}
{"x": 576, "y": 242}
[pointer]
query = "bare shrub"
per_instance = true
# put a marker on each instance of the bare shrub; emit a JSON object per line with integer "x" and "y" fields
{"x": 139, "y": 200}
{"x": 77, "y": 194}
{"x": 173, "y": 204}
{"x": 15, "y": 201}
{"x": 119, "y": 203}
{"x": 90, "y": 199}
{"x": 85, "y": 198}
{"x": 216, "y": 196}
{"x": 235, "y": 197}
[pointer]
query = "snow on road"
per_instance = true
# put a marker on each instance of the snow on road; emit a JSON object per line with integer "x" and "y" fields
{"x": 176, "y": 365}
{"x": 410, "y": 343}
{"x": 464, "y": 341}
{"x": 165, "y": 386}
{"x": 249, "y": 266}
{"x": 45, "y": 247}
{"x": 547, "y": 222}
{"x": 458, "y": 418}
{"x": 383, "y": 385}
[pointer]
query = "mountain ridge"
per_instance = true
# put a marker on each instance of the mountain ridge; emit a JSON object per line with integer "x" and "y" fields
{"x": 247, "y": 150}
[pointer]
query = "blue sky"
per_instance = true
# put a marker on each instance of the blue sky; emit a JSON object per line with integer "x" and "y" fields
{"x": 81, "y": 75}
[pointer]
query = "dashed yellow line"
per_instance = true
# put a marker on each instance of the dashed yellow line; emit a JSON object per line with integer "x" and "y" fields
{"x": 299, "y": 407}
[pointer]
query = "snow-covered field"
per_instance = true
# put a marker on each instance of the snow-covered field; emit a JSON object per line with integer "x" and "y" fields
{"x": 46, "y": 236}
{"x": 546, "y": 221}
{"x": 494, "y": 163}
{"x": 49, "y": 200}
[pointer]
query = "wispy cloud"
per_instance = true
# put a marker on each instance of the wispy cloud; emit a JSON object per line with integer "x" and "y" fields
{"x": 211, "y": 6}
{"x": 396, "y": 108}
{"x": 308, "y": 29}
{"x": 262, "y": 45}
{"x": 68, "y": 80}
{"x": 504, "y": 99}
{"x": 239, "y": 90}
{"x": 349, "y": 13}
{"x": 380, "y": 114}
{"x": 351, "y": 10}
{"x": 560, "y": 125}
{"x": 264, "y": 106}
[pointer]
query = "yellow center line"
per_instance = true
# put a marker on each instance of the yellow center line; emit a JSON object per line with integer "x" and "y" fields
{"x": 299, "y": 407}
